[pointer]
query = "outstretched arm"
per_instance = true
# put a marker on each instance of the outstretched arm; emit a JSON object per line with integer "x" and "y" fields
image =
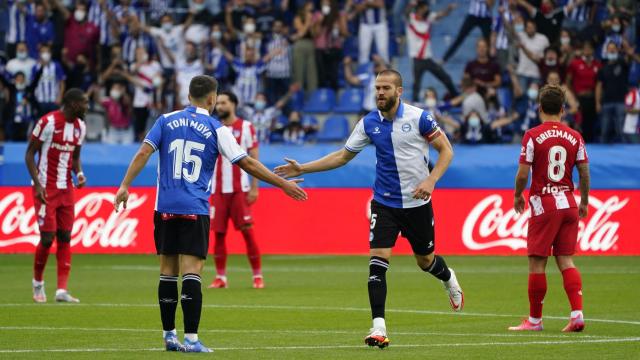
{"x": 137, "y": 164}
{"x": 259, "y": 171}
{"x": 334, "y": 160}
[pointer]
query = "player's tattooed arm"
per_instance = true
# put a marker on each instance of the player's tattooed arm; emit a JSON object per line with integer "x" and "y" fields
{"x": 585, "y": 184}
{"x": 522, "y": 177}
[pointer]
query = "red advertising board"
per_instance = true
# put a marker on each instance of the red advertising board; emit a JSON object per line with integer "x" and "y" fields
{"x": 332, "y": 221}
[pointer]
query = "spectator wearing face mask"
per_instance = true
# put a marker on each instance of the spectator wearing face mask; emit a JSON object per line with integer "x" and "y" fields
{"x": 611, "y": 90}
{"x": 566, "y": 51}
{"x": 118, "y": 112}
{"x": 248, "y": 38}
{"x": 22, "y": 106}
{"x": 39, "y": 30}
{"x": 472, "y": 129}
{"x": 170, "y": 40}
{"x": 19, "y": 13}
{"x": 215, "y": 62}
{"x": 80, "y": 35}
{"x": 329, "y": 29}
{"x": 293, "y": 131}
{"x": 278, "y": 74}
{"x": 21, "y": 63}
{"x": 52, "y": 82}
{"x": 549, "y": 62}
{"x": 471, "y": 100}
{"x": 262, "y": 116}
{"x": 146, "y": 76}
{"x": 235, "y": 12}
{"x": 581, "y": 78}
{"x": 614, "y": 31}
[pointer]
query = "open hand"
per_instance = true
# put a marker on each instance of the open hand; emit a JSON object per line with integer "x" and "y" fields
{"x": 294, "y": 191}
{"x": 292, "y": 169}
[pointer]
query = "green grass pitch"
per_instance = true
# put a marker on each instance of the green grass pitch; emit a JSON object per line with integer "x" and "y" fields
{"x": 316, "y": 307}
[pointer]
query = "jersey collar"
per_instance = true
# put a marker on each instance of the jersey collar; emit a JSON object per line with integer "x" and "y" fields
{"x": 197, "y": 110}
{"x": 399, "y": 113}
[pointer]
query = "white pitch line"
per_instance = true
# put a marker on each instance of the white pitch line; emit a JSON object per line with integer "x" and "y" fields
{"x": 333, "y": 347}
{"x": 321, "y": 308}
{"x": 314, "y": 332}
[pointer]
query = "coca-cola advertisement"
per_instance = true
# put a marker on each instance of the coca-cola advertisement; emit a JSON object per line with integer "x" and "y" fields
{"x": 332, "y": 221}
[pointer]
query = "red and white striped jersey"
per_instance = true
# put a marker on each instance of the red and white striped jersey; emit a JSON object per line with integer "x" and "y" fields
{"x": 59, "y": 139}
{"x": 552, "y": 149}
{"x": 230, "y": 178}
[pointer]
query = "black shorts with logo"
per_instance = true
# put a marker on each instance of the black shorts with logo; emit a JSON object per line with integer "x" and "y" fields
{"x": 181, "y": 234}
{"x": 415, "y": 224}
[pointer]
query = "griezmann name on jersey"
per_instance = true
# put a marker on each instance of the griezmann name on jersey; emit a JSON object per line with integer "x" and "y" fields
{"x": 189, "y": 142}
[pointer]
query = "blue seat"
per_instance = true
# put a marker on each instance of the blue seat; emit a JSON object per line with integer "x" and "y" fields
{"x": 320, "y": 101}
{"x": 336, "y": 128}
{"x": 350, "y": 101}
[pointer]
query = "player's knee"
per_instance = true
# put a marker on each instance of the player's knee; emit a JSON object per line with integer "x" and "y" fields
{"x": 564, "y": 262}
{"x": 64, "y": 236}
{"x": 46, "y": 239}
{"x": 425, "y": 261}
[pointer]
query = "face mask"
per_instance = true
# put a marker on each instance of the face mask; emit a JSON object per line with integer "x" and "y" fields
{"x": 79, "y": 15}
{"x": 532, "y": 94}
{"x": 115, "y": 94}
{"x": 474, "y": 121}
{"x": 21, "y": 55}
{"x": 196, "y": 7}
{"x": 249, "y": 28}
{"x": 167, "y": 27}
{"x": 45, "y": 56}
{"x": 551, "y": 62}
{"x": 157, "y": 81}
{"x": 519, "y": 27}
{"x": 21, "y": 87}
{"x": 615, "y": 28}
{"x": 431, "y": 102}
{"x": 260, "y": 105}
{"x": 326, "y": 9}
{"x": 216, "y": 35}
{"x": 565, "y": 40}
{"x": 612, "y": 56}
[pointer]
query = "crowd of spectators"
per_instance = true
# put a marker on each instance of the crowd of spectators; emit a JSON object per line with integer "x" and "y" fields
{"x": 135, "y": 58}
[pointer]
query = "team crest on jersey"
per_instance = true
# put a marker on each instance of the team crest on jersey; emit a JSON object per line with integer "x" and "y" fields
{"x": 376, "y": 130}
{"x": 406, "y": 127}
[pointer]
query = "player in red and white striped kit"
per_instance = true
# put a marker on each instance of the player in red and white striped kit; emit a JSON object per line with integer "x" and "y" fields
{"x": 550, "y": 151}
{"x": 233, "y": 193}
{"x": 57, "y": 138}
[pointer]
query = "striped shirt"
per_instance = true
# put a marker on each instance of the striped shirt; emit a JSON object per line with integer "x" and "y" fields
{"x": 479, "y": 8}
{"x": 121, "y": 12}
{"x": 229, "y": 178}
{"x": 279, "y": 67}
{"x": 248, "y": 81}
{"x": 499, "y": 22}
{"x": 130, "y": 43}
{"x": 580, "y": 13}
{"x": 59, "y": 140}
{"x": 18, "y": 23}
{"x": 100, "y": 19}
{"x": 48, "y": 88}
{"x": 611, "y": 38}
{"x": 372, "y": 15}
{"x": 262, "y": 121}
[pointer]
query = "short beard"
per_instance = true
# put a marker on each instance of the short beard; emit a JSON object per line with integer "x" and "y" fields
{"x": 389, "y": 104}
{"x": 224, "y": 115}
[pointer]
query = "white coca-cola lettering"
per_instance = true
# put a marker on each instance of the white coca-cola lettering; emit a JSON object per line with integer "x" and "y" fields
{"x": 117, "y": 230}
{"x": 488, "y": 225}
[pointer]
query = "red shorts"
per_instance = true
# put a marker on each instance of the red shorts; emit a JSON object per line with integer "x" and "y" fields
{"x": 555, "y": 229}
{"x": 232, "y": 205}
{"x": 58, "y": 213}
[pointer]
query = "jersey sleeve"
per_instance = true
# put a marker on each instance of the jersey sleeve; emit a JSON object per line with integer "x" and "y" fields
{"x": 154, "y": 136}
{"x": 83, "y": 132}
{"x": 228, "y": 146}
{"x": 428, "y": 126}
{"x": 42, "y": 131}
{"x": 358, "y": 138}
{"x": 252, "y": 139}
{"x": 527, "y": 150}
{"x": 581, "y": 155}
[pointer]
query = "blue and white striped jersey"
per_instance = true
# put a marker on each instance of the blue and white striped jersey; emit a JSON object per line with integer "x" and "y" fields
{"x": 402, "y": 152}
{"x": 48, "y": 88}
{"x": 99, "y": 18}
{"x": 17, "y": 31}
{"x": 372, "y": 16}
{"x": 499, "y": 27}
{"x": 479, "y": 8}
{"x": 189, "y": 142}
{"x": 248, "y": 80}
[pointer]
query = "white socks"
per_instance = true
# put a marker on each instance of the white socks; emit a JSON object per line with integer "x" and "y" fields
{"x": 534, "y": 321}
{"x": 576, "y": 313}
{"x": 165, "y": 333}
{"x": 378, "y": 323}
{"x": 191, "y": 337}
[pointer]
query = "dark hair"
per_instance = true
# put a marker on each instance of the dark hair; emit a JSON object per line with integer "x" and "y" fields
{"x": 467, "y": 82}
{"x": 398, "y": 78}
{"x": 72, "y": 95}
{"x": 201, "y": 86}
{"x": 232, "y": 97}
{"x": 551, "y": 99}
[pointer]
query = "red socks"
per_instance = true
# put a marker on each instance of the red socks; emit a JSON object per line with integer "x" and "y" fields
{"x": 220, "y": 254}
{"x": 537, "y": 291}
{"x": 573, "y": 287}
{"x": 63, "y": 256}
{"x": 40, "y": 260}
{"x": 253, "y": 253}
